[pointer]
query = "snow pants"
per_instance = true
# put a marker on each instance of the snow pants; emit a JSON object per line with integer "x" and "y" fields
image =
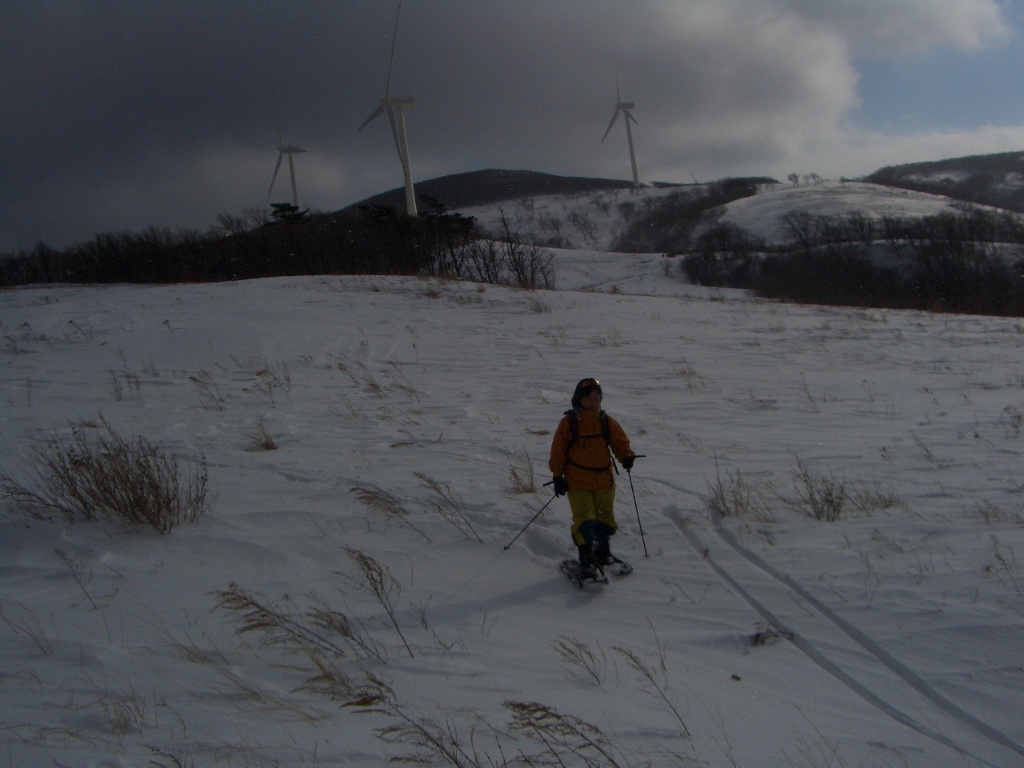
{"x": 593, "y": 516}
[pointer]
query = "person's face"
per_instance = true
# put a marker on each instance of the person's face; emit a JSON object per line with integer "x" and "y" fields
{"x": 591, "y": 401}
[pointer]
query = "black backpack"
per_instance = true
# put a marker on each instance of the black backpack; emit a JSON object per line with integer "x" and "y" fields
{"x": 574, "y": 437}
{"x": 574, "y": 427}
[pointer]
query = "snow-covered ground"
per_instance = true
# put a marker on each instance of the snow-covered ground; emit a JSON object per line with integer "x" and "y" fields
{"x": 892, "y": 636}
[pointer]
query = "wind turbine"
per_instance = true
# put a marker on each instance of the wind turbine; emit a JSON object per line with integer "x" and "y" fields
{"x": 625, "y": 108}
{"x": 282, "y": 150}
{"x": 395, "y": 108}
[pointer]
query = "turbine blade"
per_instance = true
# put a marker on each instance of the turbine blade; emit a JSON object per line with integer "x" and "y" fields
{"x": 277, "y": 116}
{"x": 629, "y": 116}
{"x": 374, "y": 115}
{"x": 608, "y": 130}
{"x": 391, "y": 58}
{"x": 280, "y": 156}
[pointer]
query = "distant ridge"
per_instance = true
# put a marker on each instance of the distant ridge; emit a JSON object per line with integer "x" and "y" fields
{"x": 464, "y": 190}
{"x": 996, "y": 179}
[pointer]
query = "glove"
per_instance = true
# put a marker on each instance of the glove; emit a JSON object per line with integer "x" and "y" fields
{"x": 561, "y": 487}
{"x": 627, "y": 462}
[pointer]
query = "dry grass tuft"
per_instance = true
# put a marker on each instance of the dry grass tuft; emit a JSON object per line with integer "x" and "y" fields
{"x": 450, "y": 506}
{"x": 262, "y": 439}
{"x": 325, "y": 635}
{"x": 576, "y": 653}
{"x": 566, "y": 739}
{"x": 110, "y": 476}
{"x": 822, "y": 495}
{"x": 521, "y": 474}
{"x": 376, "y": 580}
{"x": 385, "y": 504}
{"x": 734, "y": 496}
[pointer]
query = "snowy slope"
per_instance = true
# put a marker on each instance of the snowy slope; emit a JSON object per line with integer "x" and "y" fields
{"x": 586, "y": 221}
{"x": 593, "y": 221}
{"x": 891, "y": 637}
{"x": 761, "y": 213}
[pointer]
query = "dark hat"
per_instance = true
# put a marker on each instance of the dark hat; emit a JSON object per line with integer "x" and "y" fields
{"x": 584, "y": 388}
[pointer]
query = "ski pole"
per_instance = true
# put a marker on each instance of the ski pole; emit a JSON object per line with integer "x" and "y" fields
{"x": 531, "y": 519}
{"x": 637, "y": 507}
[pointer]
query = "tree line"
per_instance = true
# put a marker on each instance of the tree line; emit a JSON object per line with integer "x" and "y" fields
{"x": 371, "y": 240}
{"x": 968, "y": 261}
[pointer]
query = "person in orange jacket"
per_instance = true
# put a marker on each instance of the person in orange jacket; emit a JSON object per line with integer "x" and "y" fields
{"x": 582, "y": 466}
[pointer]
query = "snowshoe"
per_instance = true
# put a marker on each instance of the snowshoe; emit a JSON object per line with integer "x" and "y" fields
{"x": 582, "y": 576}
{"x": 617, "y": 566}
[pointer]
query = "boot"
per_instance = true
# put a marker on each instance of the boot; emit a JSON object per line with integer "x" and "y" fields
{"x": 602, "y": 553}
{"x": 588, "y": 567}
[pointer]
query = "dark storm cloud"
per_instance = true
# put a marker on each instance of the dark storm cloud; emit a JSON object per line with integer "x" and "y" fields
{"x": 121, "y": 115}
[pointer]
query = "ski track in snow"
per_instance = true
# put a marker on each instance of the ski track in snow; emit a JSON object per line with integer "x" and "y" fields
{"x": 822, "y": 659}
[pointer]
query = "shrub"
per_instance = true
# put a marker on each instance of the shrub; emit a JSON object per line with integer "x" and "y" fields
{"x": 724, "y": 255}
{"x": 511, "y": 259}
{"x": 845, "y": 276}
{"x": 110, "y": 476}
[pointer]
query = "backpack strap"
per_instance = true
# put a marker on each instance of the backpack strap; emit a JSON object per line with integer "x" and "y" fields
{"x": 574, "y": 427}
{"x": 574, "y": 436}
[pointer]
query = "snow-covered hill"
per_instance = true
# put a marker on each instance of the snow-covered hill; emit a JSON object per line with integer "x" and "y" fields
{"x": 596, "y": 220}
{"x": 762, "y": 214}
{"x": 584, "y": 221}
{"x": 994, "y": 179}
{"x": 889, "y": 637}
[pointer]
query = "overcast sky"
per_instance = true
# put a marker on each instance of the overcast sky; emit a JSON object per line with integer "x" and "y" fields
{"x": 121, "y": 114}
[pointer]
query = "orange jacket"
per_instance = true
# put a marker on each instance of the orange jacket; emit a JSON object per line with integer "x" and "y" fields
{"x": 587, "y": 465}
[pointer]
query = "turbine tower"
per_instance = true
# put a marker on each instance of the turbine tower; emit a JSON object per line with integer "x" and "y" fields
{"x": 282, "y": 150}
{"x": 395, "y": 108}
{"x": 625, "y": 108}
